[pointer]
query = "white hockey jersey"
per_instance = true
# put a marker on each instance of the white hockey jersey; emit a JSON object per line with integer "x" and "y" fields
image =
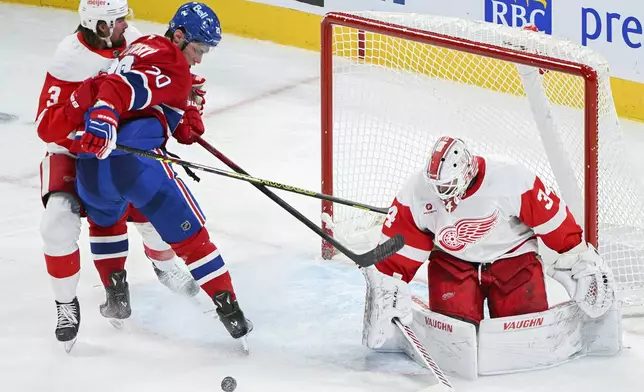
{"x": 500, "y": 216}
{"x": 73, "y": 62}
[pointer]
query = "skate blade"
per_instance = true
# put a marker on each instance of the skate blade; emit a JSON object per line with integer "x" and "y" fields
{"x": 244, "y": 343}
{"x": 117, "y": 323}
{"x": 69, "y": 345}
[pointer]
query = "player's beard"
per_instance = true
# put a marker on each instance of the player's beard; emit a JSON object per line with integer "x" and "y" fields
{"x": 119, "y": 41}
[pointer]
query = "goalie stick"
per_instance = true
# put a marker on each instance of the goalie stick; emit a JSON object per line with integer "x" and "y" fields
{"x": 379, "y": 253}
{"x": 423, "y": 356}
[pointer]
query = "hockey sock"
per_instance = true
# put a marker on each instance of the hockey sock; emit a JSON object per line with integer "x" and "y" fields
{"x": 205, "y": 263}
{"x": 64, "y": 272}
{"x": 160, "y": 253}
{"x": 109, "y": 246}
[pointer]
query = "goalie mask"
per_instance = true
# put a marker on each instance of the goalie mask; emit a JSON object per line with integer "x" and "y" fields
{"x": 450, "y": 170}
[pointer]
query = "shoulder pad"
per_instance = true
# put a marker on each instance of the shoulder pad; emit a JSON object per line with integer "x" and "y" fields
{"x": 75, "y": 62}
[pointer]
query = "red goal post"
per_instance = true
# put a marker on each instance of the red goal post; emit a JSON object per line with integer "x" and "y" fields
{"x": 378, "y": 68}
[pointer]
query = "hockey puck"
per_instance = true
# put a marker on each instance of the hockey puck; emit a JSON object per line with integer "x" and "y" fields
{"x": 228, "y": 384}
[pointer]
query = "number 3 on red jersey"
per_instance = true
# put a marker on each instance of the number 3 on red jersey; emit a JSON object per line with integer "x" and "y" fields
{"x": 391, "y": 216}
{"x": 544, "y": 196}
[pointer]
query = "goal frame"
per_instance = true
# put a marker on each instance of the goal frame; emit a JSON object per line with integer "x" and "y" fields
{"x": 364, "y": 25}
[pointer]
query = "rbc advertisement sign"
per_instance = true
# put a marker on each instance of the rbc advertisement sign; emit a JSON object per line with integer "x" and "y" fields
{"x": 518, "y": 13}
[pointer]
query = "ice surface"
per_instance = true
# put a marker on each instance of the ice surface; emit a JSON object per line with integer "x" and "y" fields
{"x": 263, "y": 112}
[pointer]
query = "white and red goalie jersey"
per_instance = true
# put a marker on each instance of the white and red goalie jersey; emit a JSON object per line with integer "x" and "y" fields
{"x": 73, "y": 62}
{"x": 500, "y": 216}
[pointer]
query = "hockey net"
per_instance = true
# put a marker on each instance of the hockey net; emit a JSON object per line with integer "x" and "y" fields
{"x": 393, "y": 83}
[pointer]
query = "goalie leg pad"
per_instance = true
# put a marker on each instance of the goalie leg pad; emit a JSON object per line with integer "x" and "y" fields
{"x": 516, "y": 286}
{"x": 603, "y": 335}
{"x": 386, "y": 298}
{"x": 454, "y": 288}
{"x": 531, "y": 341}
{"x": 545, "y": 339}
{"x": 451, "y": 342}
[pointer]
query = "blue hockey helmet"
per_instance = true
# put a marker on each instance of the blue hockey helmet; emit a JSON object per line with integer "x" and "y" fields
{"x": 199, "y": 23}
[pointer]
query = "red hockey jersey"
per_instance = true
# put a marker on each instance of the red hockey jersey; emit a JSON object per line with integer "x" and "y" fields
{"x": 500, "y": 216}
{"x": 151, "y": 79}
{"x": 73, "y": 62}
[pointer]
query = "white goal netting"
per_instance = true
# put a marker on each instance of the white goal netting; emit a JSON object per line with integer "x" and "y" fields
{"x": 393, "y": 96}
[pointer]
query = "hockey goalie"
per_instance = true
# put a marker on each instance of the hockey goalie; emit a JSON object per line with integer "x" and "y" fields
{"x": 477, "y": 220}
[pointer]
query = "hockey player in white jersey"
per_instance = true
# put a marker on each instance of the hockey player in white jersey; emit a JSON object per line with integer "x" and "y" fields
{"x": 477, "y": 220}
{"x": 102, "y": 35}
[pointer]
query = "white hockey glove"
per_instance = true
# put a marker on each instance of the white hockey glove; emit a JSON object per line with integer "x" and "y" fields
{"x": 586, "y": 278}
{"x": 387, "y": 298}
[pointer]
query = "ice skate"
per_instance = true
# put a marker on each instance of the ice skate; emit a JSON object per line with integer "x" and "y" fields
{"x": 233, "y": 318}
{"x": 117, "y": 302}
{"x": 177, "y": 280}
{"x": 68, "y": 323}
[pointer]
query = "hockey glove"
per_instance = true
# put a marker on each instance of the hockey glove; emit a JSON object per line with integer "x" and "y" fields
{"x": 189, "y": 125}
{"x": 198, "y": 92}
{"x": 387, "y": 298}
{"x": 99, "y": 138}
{"x": 587, "y": 279}
{"x": 82, "y": 99}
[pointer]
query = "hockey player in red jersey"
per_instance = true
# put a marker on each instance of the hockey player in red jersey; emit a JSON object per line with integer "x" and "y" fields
{"x": 146, "y": 100}
{"x": 102, "y": 35}
{"x": 477, "y": 220}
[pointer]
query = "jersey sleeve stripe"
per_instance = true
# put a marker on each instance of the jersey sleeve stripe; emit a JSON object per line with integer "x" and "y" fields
{"x": 141, "y": 93}
{"x": 554, "y": 222}
{"x": 409, "y": 252}
{"x": 173, "y": 116}
{"x": 125, "y": 80}
{"x": 40, "y": 117}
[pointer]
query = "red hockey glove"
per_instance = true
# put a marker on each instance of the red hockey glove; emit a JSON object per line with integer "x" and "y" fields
{"x": 82, "y": 99}
{"x": 198, "y": 92}
{"x": 189, "y": 125}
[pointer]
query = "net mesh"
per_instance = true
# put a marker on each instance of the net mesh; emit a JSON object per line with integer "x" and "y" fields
{"x": 393, "y": 97}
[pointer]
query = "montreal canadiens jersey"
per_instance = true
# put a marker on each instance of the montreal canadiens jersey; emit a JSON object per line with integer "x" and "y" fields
{"x": 73, "y": 62}
{"x": 501, "y": 215}
{"x": 151, "y": 79}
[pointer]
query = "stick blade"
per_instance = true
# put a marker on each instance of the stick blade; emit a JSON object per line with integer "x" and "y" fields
{"x": 380, "y": 252}
{"x": 416, "y": 351}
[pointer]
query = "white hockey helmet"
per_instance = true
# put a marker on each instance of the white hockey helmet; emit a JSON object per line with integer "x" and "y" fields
{"x": 450, "y": 169}
{"x": 93, "y": 11}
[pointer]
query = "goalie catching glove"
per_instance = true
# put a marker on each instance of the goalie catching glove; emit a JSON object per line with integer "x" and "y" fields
{"x": 387, "y": 298}
{"x": 586, "y": 278}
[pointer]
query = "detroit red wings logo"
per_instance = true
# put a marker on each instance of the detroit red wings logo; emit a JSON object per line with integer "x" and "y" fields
{"x": 466, "y": 231}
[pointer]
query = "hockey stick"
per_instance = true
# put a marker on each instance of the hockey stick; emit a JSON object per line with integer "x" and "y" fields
{"x": 379, "y": 253}
{"x": 244, "y": 176}
{"x": 426, "y": 359}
